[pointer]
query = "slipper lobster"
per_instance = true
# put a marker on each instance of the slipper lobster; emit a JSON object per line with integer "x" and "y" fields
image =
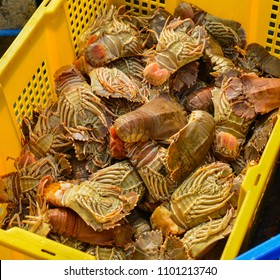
{"x": 179, "y": 43}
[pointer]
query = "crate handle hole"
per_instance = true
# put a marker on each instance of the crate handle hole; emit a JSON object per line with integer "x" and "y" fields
{"x": 257, "y": 179}
{"x": 48, "y": 3}
{"x": 48, "y": 252}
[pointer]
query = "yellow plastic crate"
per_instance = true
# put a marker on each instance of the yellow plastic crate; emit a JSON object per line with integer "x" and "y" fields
{"x": 49, "y": 41}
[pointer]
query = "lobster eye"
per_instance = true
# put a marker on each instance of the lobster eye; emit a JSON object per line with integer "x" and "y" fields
{"x": 92, "y": 39}
{"x": 155, "y": 75}
{"x": 97, "y": 51}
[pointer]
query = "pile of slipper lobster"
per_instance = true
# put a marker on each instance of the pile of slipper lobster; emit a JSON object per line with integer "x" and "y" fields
{"x": 143, "y": 153}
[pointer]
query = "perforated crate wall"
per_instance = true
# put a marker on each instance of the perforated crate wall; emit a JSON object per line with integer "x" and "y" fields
{"x": 273, "y": 30}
